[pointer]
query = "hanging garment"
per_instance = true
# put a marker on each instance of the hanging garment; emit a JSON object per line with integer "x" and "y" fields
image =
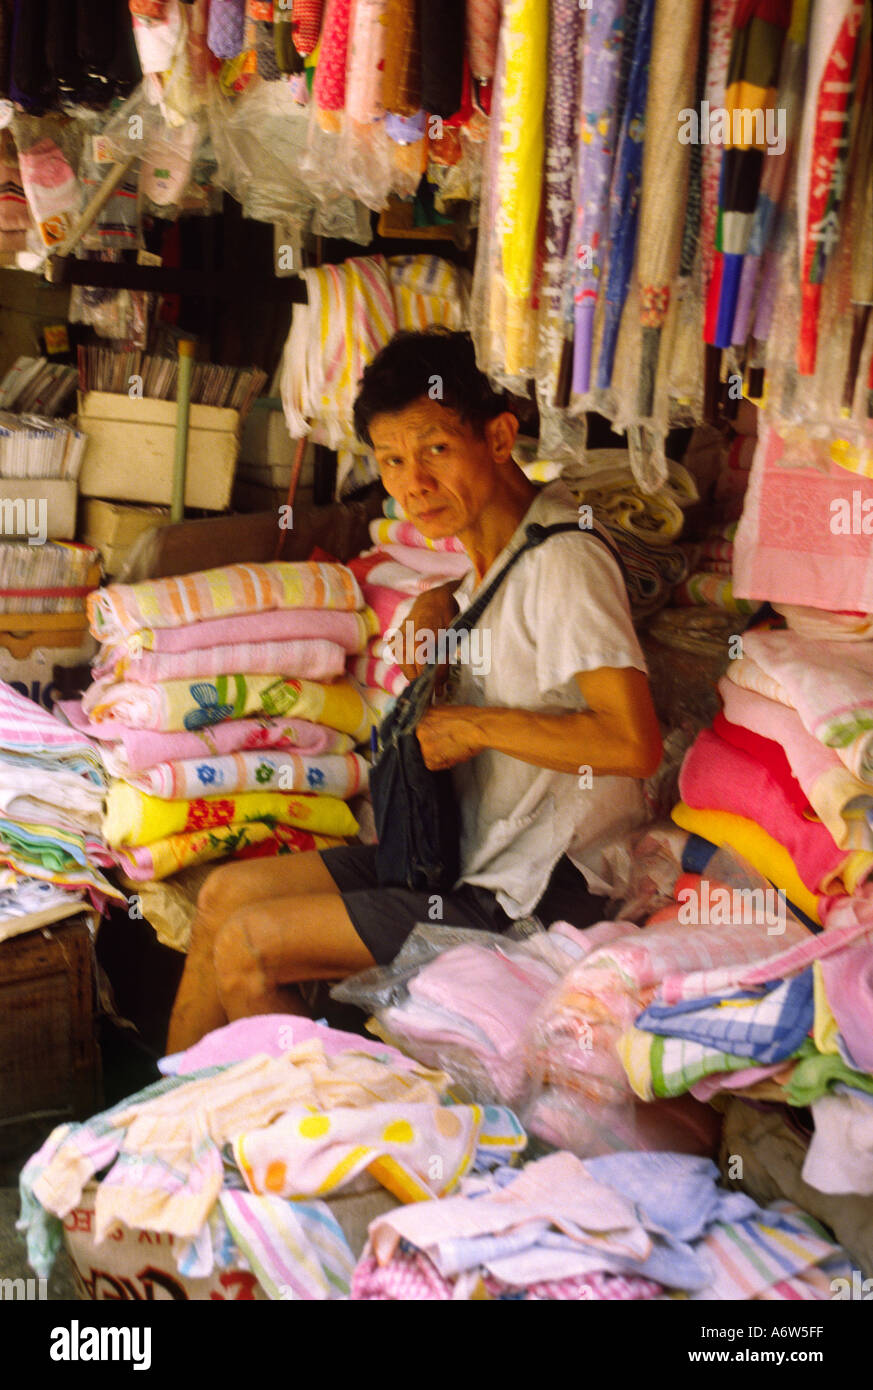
{"x": 226, "y": 33}
{"x": 366, "y": 62}
{"x": 329, "y": 87}
{"x": 288, "y": 58}
{"x": 483, "y": 28}
{"x": 441, "y": 39}
{"x": 306, "y": 20}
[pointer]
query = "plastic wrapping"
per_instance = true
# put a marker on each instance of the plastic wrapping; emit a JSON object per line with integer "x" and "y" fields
{"x": 49, "y": 150}
{"x": 422, "y": 1002}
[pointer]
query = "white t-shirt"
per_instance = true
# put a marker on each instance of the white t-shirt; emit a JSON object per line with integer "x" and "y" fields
{"x": 562, "y": 609}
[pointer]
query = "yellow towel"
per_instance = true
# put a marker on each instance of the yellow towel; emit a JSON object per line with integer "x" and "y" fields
{"x": 134, "y": 818}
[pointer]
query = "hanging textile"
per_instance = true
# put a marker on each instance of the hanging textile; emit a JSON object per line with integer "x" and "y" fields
{"x": 401, "y": 78}
{"x": 442, "y": 55}
{"x": 665, "y": 174}
{"x": 601, "y": 55}
{"x": 483, "y": 28}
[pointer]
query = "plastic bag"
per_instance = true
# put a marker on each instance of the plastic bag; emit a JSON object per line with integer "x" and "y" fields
{"x": 49, "y": 150}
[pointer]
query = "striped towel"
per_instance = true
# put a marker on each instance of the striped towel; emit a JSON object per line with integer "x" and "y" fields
{"x": 313, "y": 658}
{"x": 659, "y": 1067}
{"x": 121, "y": 609}
{"x": 768, "y": 1028}
{"x": 747, "y": 1257}
{"x": 297, "y": 1250}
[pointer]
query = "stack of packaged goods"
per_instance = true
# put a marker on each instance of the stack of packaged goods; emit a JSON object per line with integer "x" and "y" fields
{"x": 228, "y": 721}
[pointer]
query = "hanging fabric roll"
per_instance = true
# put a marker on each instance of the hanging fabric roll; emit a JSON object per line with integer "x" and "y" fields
{"x": 831, "y": 76}
{"x": 226, "y": 30}
{"x": 601, "y": 58}
{"x": 624, "y": 195}
{"x": 306, "y": 17}
{"x": 562, "y": 114}
{"x": 665, "y": 174}
{"x": 366, "y": 61}
{"x": 483, "y": 30}
{"x": 525, "y": 38}
{"x": 760, "y": 27}
{"x": 861, "y": 216}
{"x": 329, "y": 87}
{"x": 441, "y": 36}
{"x": 788, "y": 101}
{"x": 401, "y": 78}
{"x": 288, "y": 59}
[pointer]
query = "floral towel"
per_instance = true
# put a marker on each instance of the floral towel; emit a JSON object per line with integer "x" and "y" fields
{"x": 135, "y": 818}
{"x": 341, "y": 775}
{"x": 160, "y": 859}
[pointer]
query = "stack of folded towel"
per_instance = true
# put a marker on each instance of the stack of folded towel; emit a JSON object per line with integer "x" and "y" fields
{"x": 229, "y": 721}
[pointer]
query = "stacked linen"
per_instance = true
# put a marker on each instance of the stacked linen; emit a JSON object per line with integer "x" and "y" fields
{"x": 246, "y": 1135}
{"x": 621, "y": 1227}
{"x": 52, "y": 784}
{"x": 794, "y": 1027}
{"x": 785, "y": 776}
{"x": 230, "y": 721}
{"x": 401, "y": 565}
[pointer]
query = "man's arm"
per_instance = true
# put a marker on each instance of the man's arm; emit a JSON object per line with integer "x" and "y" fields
{"x": 617, "y": 735}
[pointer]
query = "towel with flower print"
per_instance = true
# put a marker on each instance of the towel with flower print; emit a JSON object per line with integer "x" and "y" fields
{"x": 333, "y": 774}
{"x": 134, "y": 818}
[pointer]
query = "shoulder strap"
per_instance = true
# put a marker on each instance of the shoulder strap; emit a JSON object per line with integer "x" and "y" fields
{"x": 535, "y": 535}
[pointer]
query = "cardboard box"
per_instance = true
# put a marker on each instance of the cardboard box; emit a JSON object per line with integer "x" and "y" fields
{"x": 114, "y": 527}
{"x": 42, "y": 509}
{"x": 33, "y": 675}
{"x": 131, "y": 443}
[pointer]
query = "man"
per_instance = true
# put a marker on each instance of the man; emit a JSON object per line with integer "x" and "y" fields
{"x": 546, "y": 745}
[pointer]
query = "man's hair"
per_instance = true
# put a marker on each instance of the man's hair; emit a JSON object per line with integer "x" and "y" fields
{"x": 435, "y": 363}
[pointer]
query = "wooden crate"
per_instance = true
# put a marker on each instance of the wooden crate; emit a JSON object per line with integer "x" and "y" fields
{"x": 49, "y": 1058}
{"x": 131, "y": 443}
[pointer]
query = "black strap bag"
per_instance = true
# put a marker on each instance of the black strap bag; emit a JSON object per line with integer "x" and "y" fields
{"x": 415, "y": 810}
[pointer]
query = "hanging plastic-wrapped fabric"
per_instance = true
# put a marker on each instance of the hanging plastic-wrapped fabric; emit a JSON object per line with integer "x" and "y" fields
{"x": 601, "y": 56}
{"x": 624, "y": 192}
{"x": 831, "y": 75}
{"x": 226, "y": 32}
{"x": 483, "y": 32}
{"x": 441, "y": 36}
{"x": 48, "y": 151}
{"x": 366, "y": 61}
{"x": 306, "y": 20}
{"x": 329, "y": 87}
{"x": 287, "y": 57}
{"x": 562, "y": 112}
{"x": 525, "y": 34}
{"x": 401, "y": 78}
{"x": 760, "y": 27}
{"x": 789, "y": 101}
{"x": 665, "y": 174}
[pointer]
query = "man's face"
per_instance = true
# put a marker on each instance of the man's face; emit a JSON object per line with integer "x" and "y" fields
{"x": 442, "y": 474}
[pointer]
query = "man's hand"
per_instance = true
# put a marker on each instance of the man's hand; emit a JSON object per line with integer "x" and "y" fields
{"x": 433, "y": 610}
{"x": 447, "y": 737}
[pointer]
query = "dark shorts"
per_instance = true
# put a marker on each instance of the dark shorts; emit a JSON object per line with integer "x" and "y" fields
{"x": 383, "y": 917}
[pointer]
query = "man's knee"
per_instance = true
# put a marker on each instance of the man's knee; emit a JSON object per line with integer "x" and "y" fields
{"x": 217, "y": 896}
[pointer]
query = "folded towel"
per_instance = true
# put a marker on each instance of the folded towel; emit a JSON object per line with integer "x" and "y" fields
{"x": 341, "y": 775}
{"x": 167, "y": 856}
{"x": 134, "y": 818}
{"x": 312, "y": 658}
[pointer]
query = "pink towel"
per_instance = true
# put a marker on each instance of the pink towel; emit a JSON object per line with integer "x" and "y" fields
{"x": 787, "y": 549}
{"x": 386, "y": 675}
{"x": 273, "y": 1034}
{"x": 442, "y": 564}
{"x": 808, "y": 757}
{"x": 848, "y": 981}
{"x": 313, "y": 659}
{"x": 350, "y": 631}
{"x": 715, "y": 776}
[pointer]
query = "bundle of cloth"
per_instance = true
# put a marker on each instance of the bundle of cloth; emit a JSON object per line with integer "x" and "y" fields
{"x": 226, "y": 716}
{"x": 785, "y": 774}
{"x": 239, "y": 1150}
{"x": 400, "y": 565}
{"x": 792, "y": 1028}
{"x": 465, "y": 1004}
{"x": 52, "y": 784}
{"x": 584, "y": 1101}
{"x": 624, "y": 1226}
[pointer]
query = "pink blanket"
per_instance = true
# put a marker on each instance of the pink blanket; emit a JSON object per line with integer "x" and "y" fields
{"x": 273, "y": 1034}
{"x": 445, "y": 565}
{"x": 313, "y": 659}
{"x": 796, "y": 542}
{"x": 351, "y": 631}
{"x": 715, "y": 776}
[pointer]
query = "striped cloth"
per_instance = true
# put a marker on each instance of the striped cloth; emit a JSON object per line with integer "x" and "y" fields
{"x": 659, "y": 1067}
{"x": 748, "y": 1257}
{"x": 768, "y": 1028}
{"x": 121, "y": 609}
{"x": 297, "y": 1250}
{"x": 28, "y": 730}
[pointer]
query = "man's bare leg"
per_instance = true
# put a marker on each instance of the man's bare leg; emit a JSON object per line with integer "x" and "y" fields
{"x": 229, "y": 888}
{"x": 267, "y": 946}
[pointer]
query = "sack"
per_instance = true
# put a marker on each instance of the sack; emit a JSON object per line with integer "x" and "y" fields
{"x": 415, "y": 811}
